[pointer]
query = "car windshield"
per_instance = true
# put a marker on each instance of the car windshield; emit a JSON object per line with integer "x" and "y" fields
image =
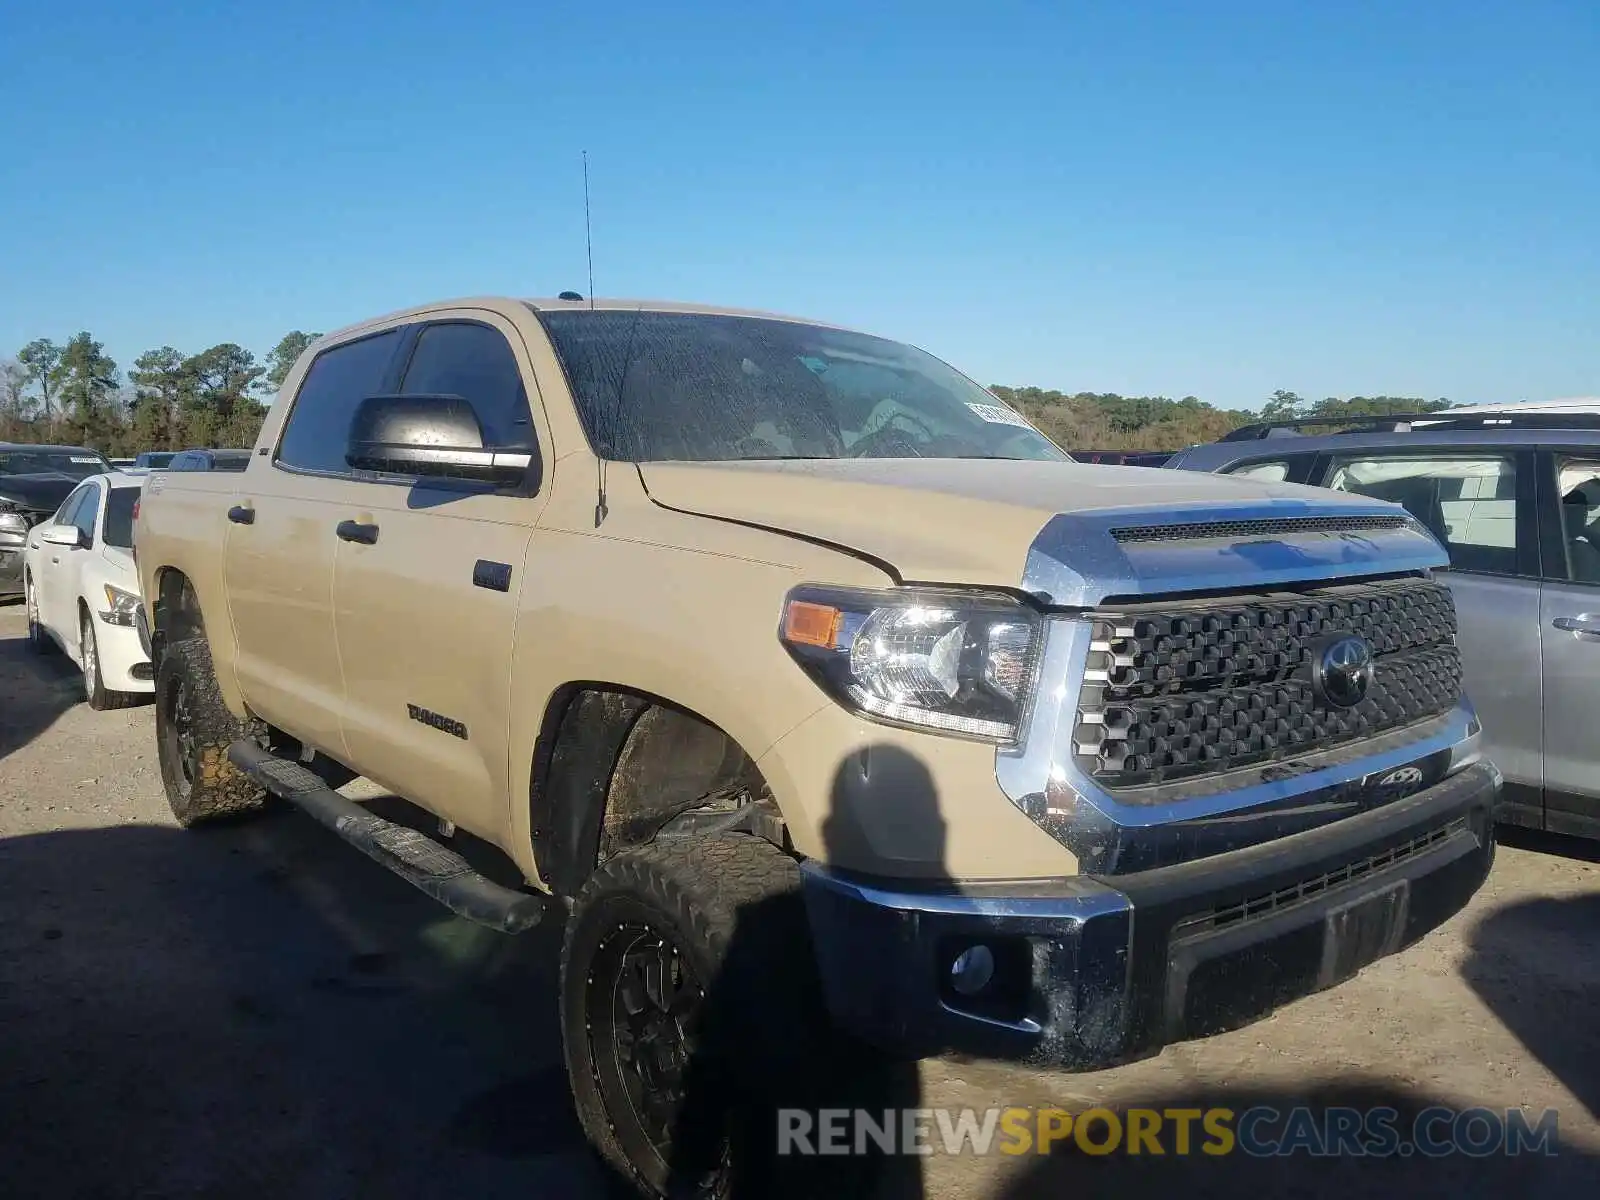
{"x": 79, "y": 464}
{"x": 654, "y": 386}
{"x": 119, "y": 517}
{"x": 157, "y": 459}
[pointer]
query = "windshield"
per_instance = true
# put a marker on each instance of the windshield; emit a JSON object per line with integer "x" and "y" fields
{"x": 79, "y": 464}
{"x": 653, "y": 386}
{"x": 119, "y": 517}
{"x": 156, "y": 459}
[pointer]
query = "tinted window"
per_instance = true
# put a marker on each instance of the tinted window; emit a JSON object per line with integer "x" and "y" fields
{"x": 230, "y": 460}
{"x": 1469, "y": 503}
{"x": 156, "y": 460}
{"x": 476, "y": 363}
{"x": 341, "y": 378}
{"x": 87, "y": 515}
{"x": 694, "y": 386}
{"x": 79, "y": 464}
{"x": 119, "y": 517}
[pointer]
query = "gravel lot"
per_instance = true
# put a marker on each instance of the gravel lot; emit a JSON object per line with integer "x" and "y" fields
{"x": 259, "y": 1011}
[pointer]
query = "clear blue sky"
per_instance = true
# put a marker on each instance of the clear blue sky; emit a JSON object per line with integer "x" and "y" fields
{"x": 1215, "y": 198}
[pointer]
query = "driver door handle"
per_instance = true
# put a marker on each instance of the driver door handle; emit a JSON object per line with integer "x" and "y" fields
{"x": 242, "y": 514}
{"x": 1579, "y": 624}
{"x": 355, "y": 531}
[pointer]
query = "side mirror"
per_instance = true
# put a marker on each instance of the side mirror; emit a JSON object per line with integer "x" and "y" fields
{"x": 62, "y": 535}
{"x": 434, "y": 436}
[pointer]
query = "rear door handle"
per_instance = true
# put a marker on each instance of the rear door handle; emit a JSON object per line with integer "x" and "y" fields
{"x": 1579, "y": 624}
{"x": 242, "y": 514}
{"x": 355, "y": 531}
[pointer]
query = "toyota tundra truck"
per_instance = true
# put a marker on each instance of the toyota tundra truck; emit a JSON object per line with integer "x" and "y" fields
{"x": 785, "y": 664}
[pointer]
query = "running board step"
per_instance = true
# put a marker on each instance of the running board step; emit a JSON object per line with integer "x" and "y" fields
{"x": 415, "y": 857}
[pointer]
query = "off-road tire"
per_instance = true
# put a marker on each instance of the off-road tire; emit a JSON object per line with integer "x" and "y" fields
{"x": 39, "y": 641}
{"x": 95, "y": 692}
{"x": 732, "y": 906}
{"x": 200, "y": 782}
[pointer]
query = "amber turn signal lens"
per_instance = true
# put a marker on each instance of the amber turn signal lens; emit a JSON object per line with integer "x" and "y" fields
{"x": 807, "y": 624}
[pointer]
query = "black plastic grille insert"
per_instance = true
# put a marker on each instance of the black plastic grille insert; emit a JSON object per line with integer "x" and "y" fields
{"x": 1256, "y": 528}
{"x": 1180, "y": 690}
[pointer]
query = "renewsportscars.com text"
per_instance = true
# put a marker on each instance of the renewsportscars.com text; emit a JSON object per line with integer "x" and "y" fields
{"x": 1259, "y": 1132}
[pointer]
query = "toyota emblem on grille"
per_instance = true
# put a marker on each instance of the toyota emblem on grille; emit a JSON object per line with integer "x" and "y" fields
{"x": 1341, "y": 670}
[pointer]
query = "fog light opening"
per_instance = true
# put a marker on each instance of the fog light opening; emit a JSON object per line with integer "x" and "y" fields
{"x": 972, "y": 970}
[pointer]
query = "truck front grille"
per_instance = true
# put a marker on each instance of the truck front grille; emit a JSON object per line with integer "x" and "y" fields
{"x": 1178, "y": 690}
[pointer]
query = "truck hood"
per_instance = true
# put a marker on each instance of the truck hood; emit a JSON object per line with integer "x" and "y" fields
{"x": 984, "y": 521}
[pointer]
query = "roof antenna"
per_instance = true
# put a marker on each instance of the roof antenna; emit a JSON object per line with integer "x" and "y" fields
{"x": 588, "y": 241}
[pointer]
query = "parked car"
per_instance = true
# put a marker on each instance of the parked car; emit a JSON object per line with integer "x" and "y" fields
{"x": 210, "y": 460}
{"x": 153, "y": 460}
{"x": 812, "y": 687}
{"x": 33, "y": 482}
{"x": 1514, "y": 495}
{"x": 1123, "y": 458}
{"x": 118, "y": 464}
{"x": 83, "y": 590}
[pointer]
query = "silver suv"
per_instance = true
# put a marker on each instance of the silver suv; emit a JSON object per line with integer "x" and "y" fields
{"x": 1515, "y": 498}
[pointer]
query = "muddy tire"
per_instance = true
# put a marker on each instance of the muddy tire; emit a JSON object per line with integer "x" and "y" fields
{"x": 691, "y": 1011}
{"x": 99, "y": 696}
{"x": 193, "y": 732}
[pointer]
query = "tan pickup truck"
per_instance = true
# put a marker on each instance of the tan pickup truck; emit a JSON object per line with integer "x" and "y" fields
{"x": 733, "y": 630}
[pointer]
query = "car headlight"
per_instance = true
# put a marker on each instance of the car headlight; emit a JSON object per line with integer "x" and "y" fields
{"x": 952, "y": 661}
{"x": 121, "y": 606}
{"x": 13, "y": 526}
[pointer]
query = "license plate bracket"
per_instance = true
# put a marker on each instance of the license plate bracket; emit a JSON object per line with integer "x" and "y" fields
{"x": 1363, "y": 931}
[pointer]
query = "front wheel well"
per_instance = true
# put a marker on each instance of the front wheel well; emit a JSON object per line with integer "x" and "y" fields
{"x": 176, "y": 610}
{"x": 615, "y": 767}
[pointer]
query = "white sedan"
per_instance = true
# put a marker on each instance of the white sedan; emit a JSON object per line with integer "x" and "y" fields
{"x": 83, "y": 591}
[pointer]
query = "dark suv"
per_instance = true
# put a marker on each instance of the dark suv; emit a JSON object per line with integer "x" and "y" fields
{"x": 34, "y": 480}
{"x": 1515, "y": 498}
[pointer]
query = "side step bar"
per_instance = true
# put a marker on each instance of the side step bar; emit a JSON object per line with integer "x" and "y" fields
{"x": 415, "y": 857}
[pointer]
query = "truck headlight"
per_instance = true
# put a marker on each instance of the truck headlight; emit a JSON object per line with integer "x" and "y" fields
{"x": 121, "y": 606}
{"x": 953, "y": 661}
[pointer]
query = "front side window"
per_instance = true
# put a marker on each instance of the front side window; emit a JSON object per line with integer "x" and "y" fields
{"x": 1469, "y": 503}
{"x": 67, "y": 514}
{"x": 474, "y": 362}
{"x": 1268, "y": 472}
{"x": 119, "y": 517}
{"x": 88, "y": 514}
{"x": 318, "y": 427}
{"x": 1579, "y": 485}
{"x": 701, "y": 387}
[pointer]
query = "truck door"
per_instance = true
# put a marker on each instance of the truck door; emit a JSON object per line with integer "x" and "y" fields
{"x": 425, "y": 596}
{"x": 1479, "y": 502}
{"x": 279, "y": 556}
{"x": 1570, "y": 627}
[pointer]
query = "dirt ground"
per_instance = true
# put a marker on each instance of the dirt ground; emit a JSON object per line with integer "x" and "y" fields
{"x": 259, "y": 1011}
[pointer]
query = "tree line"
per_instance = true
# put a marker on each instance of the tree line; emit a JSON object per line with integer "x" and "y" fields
{"x": 1107, "y": 421}
{"x": 73, "y": 392}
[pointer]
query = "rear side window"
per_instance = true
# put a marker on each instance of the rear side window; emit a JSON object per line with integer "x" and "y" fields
{"x": 119, "y": 517}
{"x": 339, "y": 380}
{"x": 1469, "y": 503}
{"x": 1579, "y": 483}
{"x": 476, "y": 363}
